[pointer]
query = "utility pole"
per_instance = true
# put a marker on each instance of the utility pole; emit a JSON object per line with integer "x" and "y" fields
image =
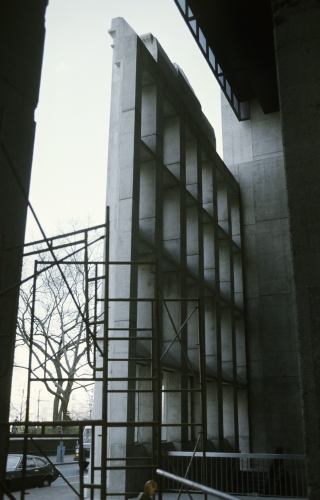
{"x": 38, "y": 417}
{"x": 40, "y": 401}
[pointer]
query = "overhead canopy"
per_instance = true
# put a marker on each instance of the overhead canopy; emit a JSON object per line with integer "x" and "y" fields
{"x": 236, "y": 37}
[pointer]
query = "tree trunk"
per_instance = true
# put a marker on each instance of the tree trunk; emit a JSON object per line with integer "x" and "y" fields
{"x": 56, "y": 402}
{"x": 61, "y": 402}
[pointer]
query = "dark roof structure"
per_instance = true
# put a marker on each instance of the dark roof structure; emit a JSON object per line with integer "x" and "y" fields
{"x": 236, "y": 39}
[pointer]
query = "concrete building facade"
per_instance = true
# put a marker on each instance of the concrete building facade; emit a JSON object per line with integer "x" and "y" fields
{"x": 253, "y": 152}
{"x": 175, "y": 218}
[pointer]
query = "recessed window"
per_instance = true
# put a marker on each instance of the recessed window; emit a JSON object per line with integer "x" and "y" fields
{"x": 193, "y": 25}
{"x": 228, "y": 89}
{"x": 182, "y": 4}
{"x": 212, "y": 59}
{"x": 202, "y": 41}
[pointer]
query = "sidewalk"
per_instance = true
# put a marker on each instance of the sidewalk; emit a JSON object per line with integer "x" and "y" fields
{"x": 67, "y": 460}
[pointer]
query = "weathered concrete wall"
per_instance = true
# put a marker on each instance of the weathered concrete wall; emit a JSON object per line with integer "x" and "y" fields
{"x": 172, "y": 201}
{"x": 254, "y": 154}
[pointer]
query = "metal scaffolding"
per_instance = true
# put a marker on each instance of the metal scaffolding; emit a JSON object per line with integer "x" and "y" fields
{"x": 100, "y": 336}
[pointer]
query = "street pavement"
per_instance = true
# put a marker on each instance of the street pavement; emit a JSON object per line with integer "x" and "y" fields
{"x": 59, "y": 489}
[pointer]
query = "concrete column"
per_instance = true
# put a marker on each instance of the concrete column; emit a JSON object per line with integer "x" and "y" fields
{"x": 226, "y": 336}
{"x": 192, "y": 237}
{"x": 224, "y": 244}
{"x": 244, "y": 441}
{"x": 217, "y": 301}
{"x": 208, "y": 188}
{"x": 196, "y": 414}
{"x": 123, "y": 196}
{"x": 211, "y": 271}
{"x": 175, "y": 238}
{"x": 211, "y": 337}
{"x": 296, "y": 28}
{"x": 237, "y": 255}
{"x": 224, "y": 264}
{"x": 213, "y": 415}
{"x": 241, "y": 349}
{"x": 201, "y": 295}
{"x": 222, "y": 203}
{"x": 212, "y": 324}
{"x": 144, "y": 406}
{"x": 193, "y": 327}
{"x": 233, "y": 216}
{"x": 191, "y": 167}
{"x": 228, "y": 418}
{"x": 242, "y": 379}
{"x": 194, "y": 244}
{"x": 174, "y": 409}
{"x": 209, "y": 246}
{"x": 152, "y": 135}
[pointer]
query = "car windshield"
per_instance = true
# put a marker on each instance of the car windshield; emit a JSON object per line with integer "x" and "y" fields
{"x": 40, "y": 462}
{"x": 87, "y": 435}
{"x": 12, "y": 462}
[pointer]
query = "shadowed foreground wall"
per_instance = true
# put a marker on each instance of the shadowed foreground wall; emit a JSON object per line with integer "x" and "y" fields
{"x": 297, "y": 51}
{"x": 21, "y": 49}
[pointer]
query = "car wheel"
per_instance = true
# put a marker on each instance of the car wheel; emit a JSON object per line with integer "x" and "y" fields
{"x": 46, "y": 482}
{"x": 85, "y": 465}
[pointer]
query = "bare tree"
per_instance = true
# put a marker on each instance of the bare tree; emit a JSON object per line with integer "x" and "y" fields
{"x": 82, "y": 409}
{"x": 18, "y": 410}
{"x": 56, "y": 321}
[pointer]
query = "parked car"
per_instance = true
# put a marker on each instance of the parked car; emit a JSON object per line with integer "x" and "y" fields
{"x": 39, "y": 472}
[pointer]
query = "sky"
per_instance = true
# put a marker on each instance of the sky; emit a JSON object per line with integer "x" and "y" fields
{"x": 71, "y": 145}
{"x": 69, "y": 170}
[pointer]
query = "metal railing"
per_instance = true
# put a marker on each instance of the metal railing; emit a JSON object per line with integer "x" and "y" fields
{"x": 241, "y": 473}
{"x": 196, "y": 486}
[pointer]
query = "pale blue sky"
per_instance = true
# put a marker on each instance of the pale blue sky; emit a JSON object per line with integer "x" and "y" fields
{"x": 70, "y": 155}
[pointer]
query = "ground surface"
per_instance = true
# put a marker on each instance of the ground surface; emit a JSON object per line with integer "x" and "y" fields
{"x": 59, "y": 490}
